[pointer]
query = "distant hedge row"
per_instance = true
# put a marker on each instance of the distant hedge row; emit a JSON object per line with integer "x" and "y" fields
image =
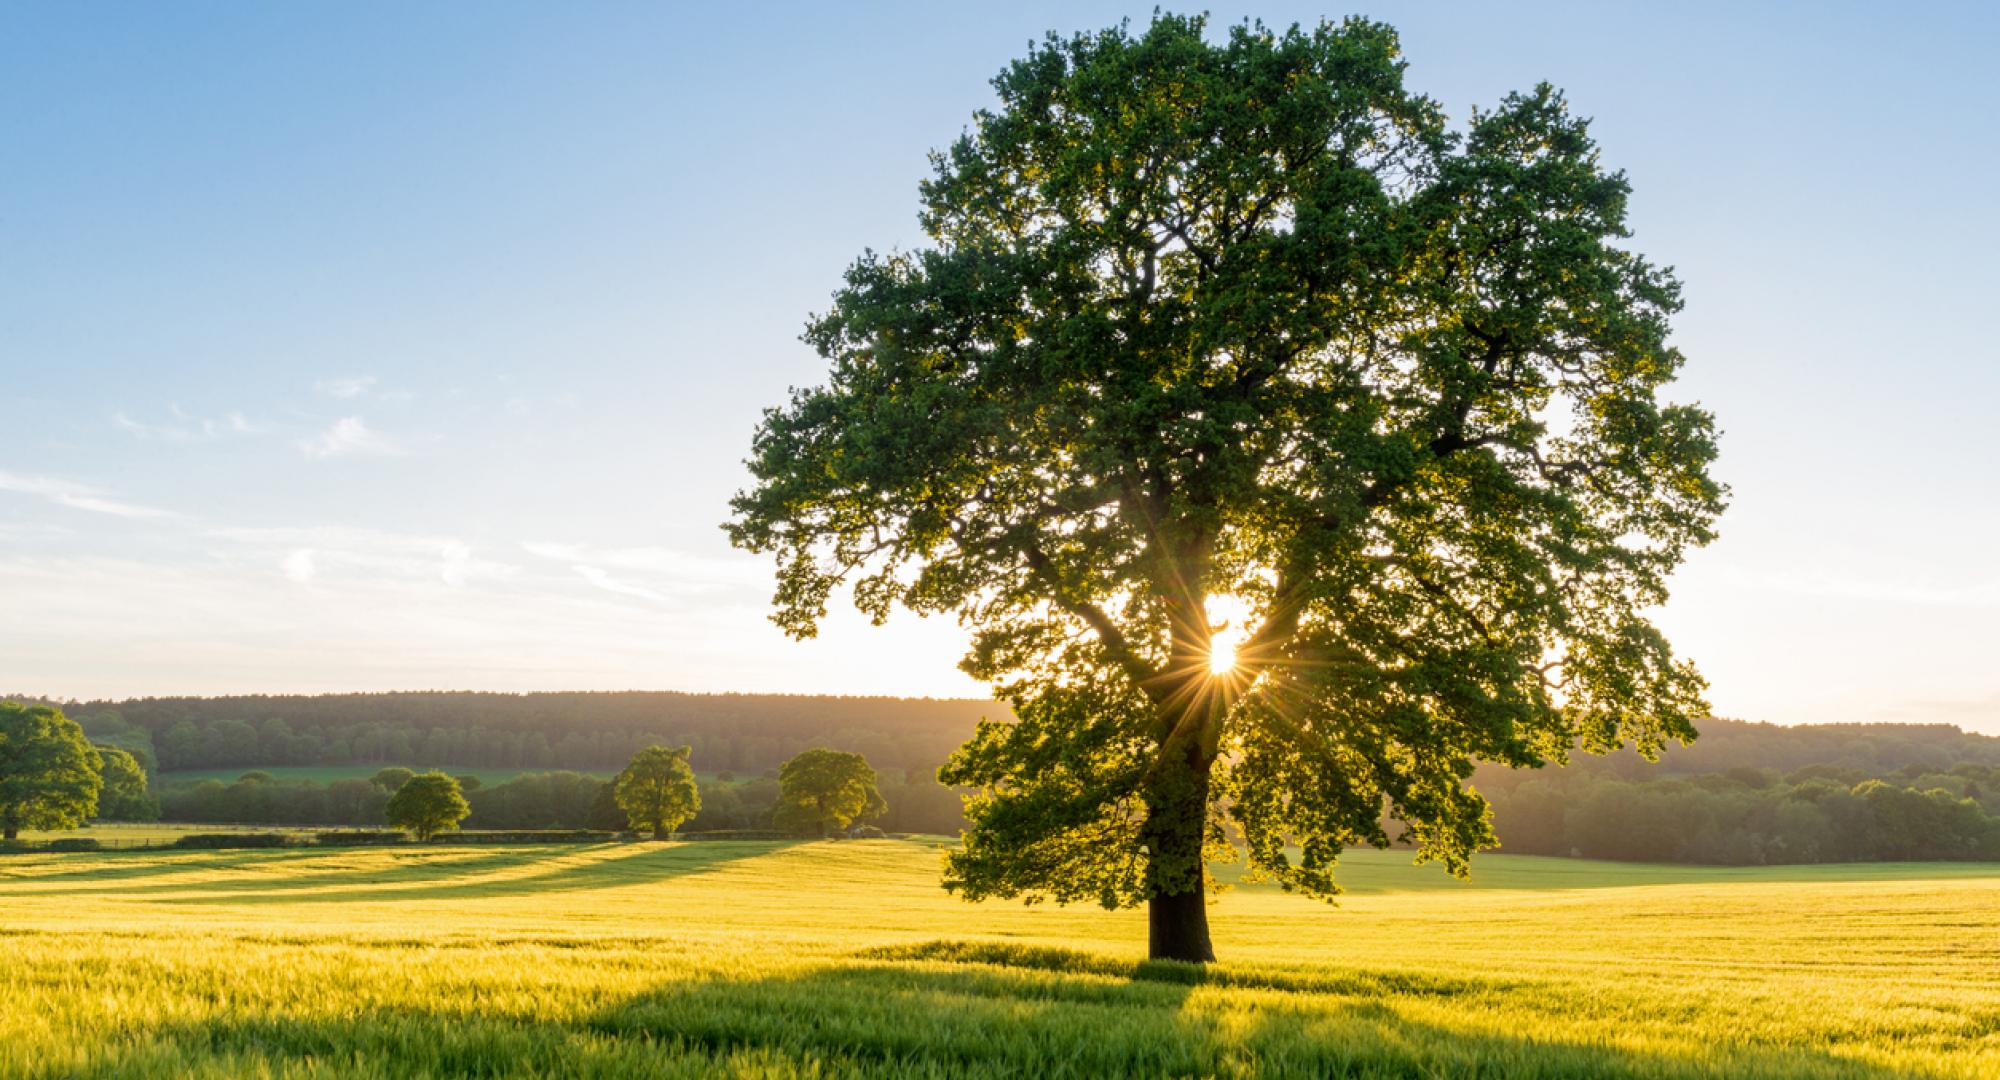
{"x": 209, "y": 841}
{"x": 365, "y": 837}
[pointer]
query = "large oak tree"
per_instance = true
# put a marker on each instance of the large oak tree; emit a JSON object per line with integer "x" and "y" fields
{"x": 1238, "y": 337}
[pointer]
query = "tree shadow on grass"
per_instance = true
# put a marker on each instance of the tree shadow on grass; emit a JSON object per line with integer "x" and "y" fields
{"x": 977, "y": 1011}
{"x": 271, "y": 872}
{"x": 1004, "y": 1010}
{"x": 142, "y": 863}
{"x": 596, "y": 866}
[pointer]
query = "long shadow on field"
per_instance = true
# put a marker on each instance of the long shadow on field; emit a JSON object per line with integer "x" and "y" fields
{"x": 274, "y": 872}
{"x": 1014, "y": 1013}
{"x": 1002, "y": 1010}
{"x": 142, "y": 863}
{"x": 597, "y": 866}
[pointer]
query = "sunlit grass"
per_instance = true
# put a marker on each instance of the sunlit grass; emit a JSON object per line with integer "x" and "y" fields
{"x": 838, "y": 959}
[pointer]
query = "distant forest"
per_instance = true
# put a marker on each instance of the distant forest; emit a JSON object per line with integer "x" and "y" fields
{"x": 1750, "y": 794}
{"x": 1743, "y": 794}
{"x": 585, "y": 731}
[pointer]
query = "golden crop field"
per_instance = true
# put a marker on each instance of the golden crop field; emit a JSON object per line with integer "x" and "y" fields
{"x": 846, "y": 959}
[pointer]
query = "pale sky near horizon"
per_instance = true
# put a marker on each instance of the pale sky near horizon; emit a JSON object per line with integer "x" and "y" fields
{"x": 377, "y": 346}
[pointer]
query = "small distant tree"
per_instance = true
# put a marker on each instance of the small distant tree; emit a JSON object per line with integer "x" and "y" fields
{"x": 821, "y": 787}
{"x": 469, "y": 783}
{"x": 124, "y": 796}
{"x": 430, "y": 803}
{"x": 657, "y": 790}
{"x": 49, "y": 773}
{"x": 393, "y": 778}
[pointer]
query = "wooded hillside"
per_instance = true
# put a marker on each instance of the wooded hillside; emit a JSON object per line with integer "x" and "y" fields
{"x": 739, "y": 732}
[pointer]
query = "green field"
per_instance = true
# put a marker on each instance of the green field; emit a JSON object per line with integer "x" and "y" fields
{"x": 839, "y": 959}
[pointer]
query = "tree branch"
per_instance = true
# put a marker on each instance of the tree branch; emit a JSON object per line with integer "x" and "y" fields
{"x": 1108, "y": 634}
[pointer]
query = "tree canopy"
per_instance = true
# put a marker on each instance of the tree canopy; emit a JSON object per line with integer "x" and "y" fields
{"x": 657, "y": 790}
{"x": 49, "y": 772}
{"x": 1240, "y": 338}
{"x": 427, "y": 804}
{"x": 821, "y": 788}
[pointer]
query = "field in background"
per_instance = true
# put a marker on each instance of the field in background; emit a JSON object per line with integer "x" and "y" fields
{"x": 838, "y": 959}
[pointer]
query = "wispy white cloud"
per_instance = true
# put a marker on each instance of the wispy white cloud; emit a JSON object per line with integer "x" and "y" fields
{"x": 76, "y": 496}
{"x": 183, "y": 428}
{"x": 177, "y": 625}
{"x": 657, "y": 574}
{"x": 687, "y": 571}
{"x": 31, "y": 531}
{"x": 350, "y": 436}
{"x": 1978, "y": 594}
{"x": 318, "y": 555}
{"x": 345, "y": 386}
{"x": 601, "y": 578}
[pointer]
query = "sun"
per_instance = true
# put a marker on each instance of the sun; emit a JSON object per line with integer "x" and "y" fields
{"x": 1222, "y": 651}
{"x": 1227, "y": 617}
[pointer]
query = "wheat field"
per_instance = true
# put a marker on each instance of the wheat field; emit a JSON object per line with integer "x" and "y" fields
{"x": 846, "y": 959}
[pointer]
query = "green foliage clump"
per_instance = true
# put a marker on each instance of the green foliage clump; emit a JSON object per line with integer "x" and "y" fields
{"x": 657, "y": 789}
{"x": 50, "y": 775}
{"x": 126, "y": 795}
{"x": 606, "y": 814}
{"x": 538, "y": 800}
{"x": 427, "y": 804}
{"x": 826, "y": 788}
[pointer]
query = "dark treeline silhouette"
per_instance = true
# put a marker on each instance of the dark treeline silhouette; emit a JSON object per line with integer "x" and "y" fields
{"x": 585, "y": 731}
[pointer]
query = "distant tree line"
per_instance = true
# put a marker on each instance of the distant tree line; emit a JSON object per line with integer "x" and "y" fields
{"x": 564, "y": 799}
{"x": 1743, "y": 794}
{"x": 1750, "y": 794}
{"x": 745, "y": 733}
{"x": 1750, "y": 817}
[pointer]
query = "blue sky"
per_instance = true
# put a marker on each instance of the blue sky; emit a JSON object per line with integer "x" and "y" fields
{"x": 359, "y": 346}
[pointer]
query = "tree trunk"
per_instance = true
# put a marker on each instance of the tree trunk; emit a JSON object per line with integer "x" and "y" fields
{"x": 1176, "y": 826}
{"x": 1177, "y": 927}
{"x": 13, "y": 832}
